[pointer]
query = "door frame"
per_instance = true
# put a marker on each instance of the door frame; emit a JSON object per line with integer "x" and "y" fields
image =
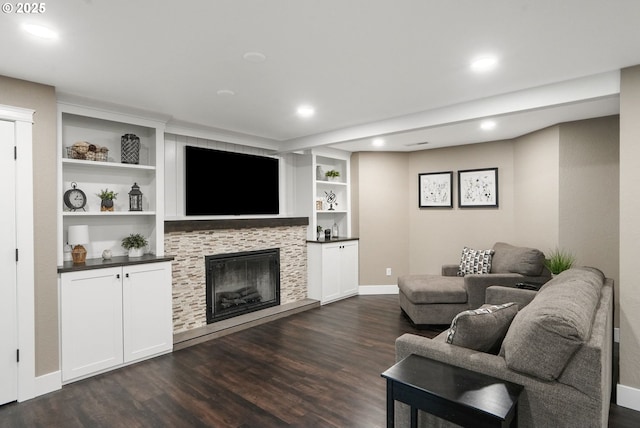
{"x": 25, "y": 282}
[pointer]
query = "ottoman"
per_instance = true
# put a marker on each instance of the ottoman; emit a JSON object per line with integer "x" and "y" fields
{"x": 432, "y": 299}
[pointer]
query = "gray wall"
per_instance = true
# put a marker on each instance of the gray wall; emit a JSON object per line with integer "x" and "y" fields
{"x": 42, "y": 99}
{"x": 589, "y": 194}
{"x": 536, "y": 174}
{"x": 629, "y": 308}
{"x": 557, "y": 188}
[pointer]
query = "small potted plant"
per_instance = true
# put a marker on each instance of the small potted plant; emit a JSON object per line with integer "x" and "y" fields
{"x": 136, "y": 244}
{"x": 332, "y": 175}
{"x": 106, "y": 197}
{"x": 559, "y": 260}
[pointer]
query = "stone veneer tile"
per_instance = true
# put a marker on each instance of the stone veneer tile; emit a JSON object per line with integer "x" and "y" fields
{"x": 190, "y": 249}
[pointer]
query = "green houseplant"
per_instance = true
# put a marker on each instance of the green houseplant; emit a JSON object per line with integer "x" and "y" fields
{"x": 106, "y": 197}
{"x": 332, "y": 174}
{"x": 136, "y": 244}
{"x": 559, "y": 260}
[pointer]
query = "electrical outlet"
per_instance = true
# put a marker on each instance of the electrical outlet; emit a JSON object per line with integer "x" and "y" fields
{"x": 388, "y": 271}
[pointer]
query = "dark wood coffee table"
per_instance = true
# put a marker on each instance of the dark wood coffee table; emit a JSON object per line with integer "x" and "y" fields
{"x": 458, "y": 395}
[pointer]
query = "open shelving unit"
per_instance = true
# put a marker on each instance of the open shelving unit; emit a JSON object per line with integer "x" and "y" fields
{"x": 314, "y": 190}
{"x": 105, "y": 128}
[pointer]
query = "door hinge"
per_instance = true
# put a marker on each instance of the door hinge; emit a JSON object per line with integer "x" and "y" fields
{"x": 16, "y": 254}
{"x": 17, "y": 355}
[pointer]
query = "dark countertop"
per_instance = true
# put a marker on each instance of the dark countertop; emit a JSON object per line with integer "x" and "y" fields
{"x": 339, "y": 239}
{"x": 113, "y": 262}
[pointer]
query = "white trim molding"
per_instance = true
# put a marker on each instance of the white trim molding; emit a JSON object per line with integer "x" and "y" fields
{"x": 48, "y": 383}
{"x": 365, "y": 290}
{"x": 628, "y": 397}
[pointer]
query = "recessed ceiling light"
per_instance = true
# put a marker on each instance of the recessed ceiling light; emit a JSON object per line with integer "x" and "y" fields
{"x": 377, "y": 142}
{"x": 40, "y": 31}
{"x": 488, "y": 125}
{"x": 305, "y": 111}
{"x": 225, "y": 92}
{"x": 254, "y": 57}
{"x": 485, "y": 63}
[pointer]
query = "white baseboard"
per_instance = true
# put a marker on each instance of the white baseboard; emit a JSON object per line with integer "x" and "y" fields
{"x": 616, "y": 335}
{"x": 364, "y": 290}
{"x": 627, "y": 396}
{"x": 48, "y": 383}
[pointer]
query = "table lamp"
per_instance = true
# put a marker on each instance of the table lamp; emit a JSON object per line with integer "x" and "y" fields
{"x": 78, "y": 235}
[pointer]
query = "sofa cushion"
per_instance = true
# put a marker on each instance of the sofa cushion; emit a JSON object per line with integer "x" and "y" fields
{"x": 423, "y": 289}
{"x": 511, "y": 259}
{"x": 546, "y": 333}
{"x": 475, "y": 261}
{"x": 482, "y": 329}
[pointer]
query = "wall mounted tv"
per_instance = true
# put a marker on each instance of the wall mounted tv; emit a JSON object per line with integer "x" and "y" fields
{"x": 229, "y": 183}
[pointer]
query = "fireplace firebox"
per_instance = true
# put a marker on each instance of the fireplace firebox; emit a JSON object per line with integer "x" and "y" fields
{"x": 240, "y": 283}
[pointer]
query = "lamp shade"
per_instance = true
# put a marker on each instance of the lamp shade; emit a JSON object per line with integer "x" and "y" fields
{"x": 78, "y": 235}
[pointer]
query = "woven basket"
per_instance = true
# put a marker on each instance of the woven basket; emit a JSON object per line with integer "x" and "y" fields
{"x": 101, "y": 155}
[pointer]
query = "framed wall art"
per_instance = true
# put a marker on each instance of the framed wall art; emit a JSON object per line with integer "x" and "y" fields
{"x": 435, "y": 190}
{"x": 478, "y": 188}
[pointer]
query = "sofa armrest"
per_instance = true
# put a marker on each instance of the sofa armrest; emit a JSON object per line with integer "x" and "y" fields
{"x": 497, "y": 295}
{"x": 450, "y": 270}
{"x": 477, "y": 284}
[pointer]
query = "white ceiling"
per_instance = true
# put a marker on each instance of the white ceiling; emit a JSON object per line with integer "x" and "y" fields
{"x": 369, "y": 67}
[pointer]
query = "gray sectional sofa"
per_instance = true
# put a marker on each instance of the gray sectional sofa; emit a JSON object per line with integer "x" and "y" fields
{"x": 436, "y": 299}
{"x": 558, "y": 346}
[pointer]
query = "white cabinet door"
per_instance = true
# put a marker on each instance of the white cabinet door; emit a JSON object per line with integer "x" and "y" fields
{"x": 91, "y": 321}
{"x": 349, "y": 268}
{"x": 331, "y": 275}
{"x": 147, "y": 310}
{"x": 332, "y": 270}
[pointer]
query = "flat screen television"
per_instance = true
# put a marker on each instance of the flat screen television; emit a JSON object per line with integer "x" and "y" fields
{"x": 229, "y": 183}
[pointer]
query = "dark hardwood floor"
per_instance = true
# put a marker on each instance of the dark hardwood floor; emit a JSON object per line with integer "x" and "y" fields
{"x": 319, "y": 368}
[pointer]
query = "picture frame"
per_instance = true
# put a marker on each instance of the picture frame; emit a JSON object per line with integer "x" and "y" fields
{"x": 435, "y": 189}
{"x": 478, "y": 188}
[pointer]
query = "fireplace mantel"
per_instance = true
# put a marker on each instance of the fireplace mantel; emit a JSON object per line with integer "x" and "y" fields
{"x": 232, "y": 223}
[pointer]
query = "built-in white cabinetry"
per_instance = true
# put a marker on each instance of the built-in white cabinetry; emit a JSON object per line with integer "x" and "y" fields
{"x": 103, "y": 130}
{"x": 332, "y": 269}
{"x": 113, "y": 316}
{"x": 326, "y": 201}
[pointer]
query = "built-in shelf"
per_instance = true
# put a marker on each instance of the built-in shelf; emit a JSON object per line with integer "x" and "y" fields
{"x": 330, "y": 183}
{"x": 98, "y": 164}
{"x": 331, "y": 211}
{"x": 105, "y": 129}
{"x": 107, "y": 213}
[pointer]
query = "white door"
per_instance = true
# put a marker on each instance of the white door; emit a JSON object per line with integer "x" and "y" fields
{"x": 8, "y": 300}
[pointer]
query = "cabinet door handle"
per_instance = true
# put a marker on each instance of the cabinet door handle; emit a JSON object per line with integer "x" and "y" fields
{"x": 126, "y": 275}
{"x": 118, "y": 276}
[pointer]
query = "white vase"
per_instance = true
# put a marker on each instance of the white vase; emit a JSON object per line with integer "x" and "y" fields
{"x": 136, "y": 252}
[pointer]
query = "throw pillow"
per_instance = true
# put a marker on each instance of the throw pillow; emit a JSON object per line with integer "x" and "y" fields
{"x": 482, "y": 329}
{"x": 511, "y": 259}
{"x": 475, "y": 261}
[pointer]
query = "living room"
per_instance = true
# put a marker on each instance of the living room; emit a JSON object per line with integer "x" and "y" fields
{"x": 543, "y": 175}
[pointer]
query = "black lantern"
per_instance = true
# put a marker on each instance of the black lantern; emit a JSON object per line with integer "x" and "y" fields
{"x": 135, "y": 198}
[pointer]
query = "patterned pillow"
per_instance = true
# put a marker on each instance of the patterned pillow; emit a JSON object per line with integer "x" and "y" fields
{"x": 482, "y": 329}
{"x": 475, "y": 261}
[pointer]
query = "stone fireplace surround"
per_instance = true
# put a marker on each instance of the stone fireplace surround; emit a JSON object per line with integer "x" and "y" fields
{"x": 189, "y": 241}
